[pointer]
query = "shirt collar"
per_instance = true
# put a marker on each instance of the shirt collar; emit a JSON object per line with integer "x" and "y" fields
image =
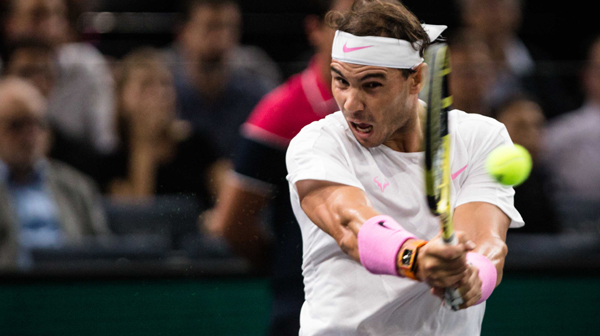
{"x": 40, "y": 171}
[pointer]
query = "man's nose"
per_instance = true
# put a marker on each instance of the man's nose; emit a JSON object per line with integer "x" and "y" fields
{"x": 354, "y": 101}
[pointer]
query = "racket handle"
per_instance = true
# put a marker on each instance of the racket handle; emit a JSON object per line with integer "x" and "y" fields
{"x": 453, "y": 240}
{"x": 453, "y": 298}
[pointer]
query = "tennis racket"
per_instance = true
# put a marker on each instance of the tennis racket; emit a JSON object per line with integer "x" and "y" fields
{"x": 437, "y": 148}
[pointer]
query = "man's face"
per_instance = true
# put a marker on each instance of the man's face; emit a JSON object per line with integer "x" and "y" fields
{"x": 212, "y": 31}
{"x": 23, "y": 135}
{"x": 375, "y": 101}
{"x": 44, "y": 19}
{"x": 39, "y": 67}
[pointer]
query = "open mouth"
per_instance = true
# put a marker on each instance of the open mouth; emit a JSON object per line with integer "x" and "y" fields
{"x": 362, "y": 127}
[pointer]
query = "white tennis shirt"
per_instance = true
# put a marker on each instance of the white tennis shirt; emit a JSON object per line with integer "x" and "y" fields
{"x": 342, "y": 297}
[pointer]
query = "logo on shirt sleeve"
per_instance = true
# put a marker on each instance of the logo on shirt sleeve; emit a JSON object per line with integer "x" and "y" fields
{"x": 455, "y": 175}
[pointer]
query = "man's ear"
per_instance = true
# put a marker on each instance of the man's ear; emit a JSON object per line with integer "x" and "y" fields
{"x": 419, "y": 78}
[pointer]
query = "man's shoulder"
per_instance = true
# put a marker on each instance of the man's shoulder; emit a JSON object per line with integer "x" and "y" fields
{"x": 570, "y": 123}
{"x": 327, "y": 134}
{"x": 244, "y": 84}
{"x": 81, "y": 55}
{"x": 464, "y": 119}
{"x": 332, "y": 126}
{"x": 473, "y": 124}
{"x": 67, "y": 176}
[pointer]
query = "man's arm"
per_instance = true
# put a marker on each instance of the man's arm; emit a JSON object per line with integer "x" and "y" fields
{"x": 337, "y": 209}
{"x": 486, "y": 225}
{"x": 236, "y": 218}
{"x": 340, "y": 211}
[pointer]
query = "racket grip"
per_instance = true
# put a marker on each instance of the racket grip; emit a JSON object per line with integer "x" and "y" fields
{"x": 453, "y": 298}
{"x": 453, "y": 240}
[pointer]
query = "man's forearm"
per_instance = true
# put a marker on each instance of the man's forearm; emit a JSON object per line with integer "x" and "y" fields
{"x": 338, "y": 210}
{"x": 486, "y": 226}
{"x": 236, "y": 218}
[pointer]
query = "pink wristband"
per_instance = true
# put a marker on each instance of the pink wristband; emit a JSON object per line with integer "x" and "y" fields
{"x": 379, "y": 240}
{"x": 487, "y": 274}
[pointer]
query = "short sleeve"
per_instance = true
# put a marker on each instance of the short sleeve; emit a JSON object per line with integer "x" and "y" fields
{"x": 317, "y": 153}
{"x": 478, "y": 185}
{"x": 258, "y": 165}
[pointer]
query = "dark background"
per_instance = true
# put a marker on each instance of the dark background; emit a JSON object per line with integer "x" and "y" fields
{"x": 560, "y": 31}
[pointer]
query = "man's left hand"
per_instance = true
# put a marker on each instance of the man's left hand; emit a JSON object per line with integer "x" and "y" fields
{"x": 469, "y": 287}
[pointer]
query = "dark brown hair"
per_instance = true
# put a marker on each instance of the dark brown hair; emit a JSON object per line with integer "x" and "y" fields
{"x": 385, "y": 18}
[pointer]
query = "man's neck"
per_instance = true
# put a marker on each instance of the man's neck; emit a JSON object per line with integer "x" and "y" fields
{"x": 409, "y": 138}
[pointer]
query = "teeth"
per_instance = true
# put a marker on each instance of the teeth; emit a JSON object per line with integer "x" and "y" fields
{"x": 364, "y": 130}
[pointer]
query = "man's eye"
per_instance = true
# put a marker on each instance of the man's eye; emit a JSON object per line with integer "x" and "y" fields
{"x": 341, "y": 81}
{"x": 372, "y": 85}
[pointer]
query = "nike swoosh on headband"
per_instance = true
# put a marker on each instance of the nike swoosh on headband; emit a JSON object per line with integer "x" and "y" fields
{"x": 347, "y": 50}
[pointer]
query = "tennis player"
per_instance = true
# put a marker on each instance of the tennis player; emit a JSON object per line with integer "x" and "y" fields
{"x": 374, "y": 262}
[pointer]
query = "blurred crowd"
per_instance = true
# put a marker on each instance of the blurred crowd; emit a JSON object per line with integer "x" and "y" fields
{"x": 93, "y": 146}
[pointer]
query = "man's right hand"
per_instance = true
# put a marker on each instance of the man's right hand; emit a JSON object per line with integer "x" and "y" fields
{"x": 443, "y": 266}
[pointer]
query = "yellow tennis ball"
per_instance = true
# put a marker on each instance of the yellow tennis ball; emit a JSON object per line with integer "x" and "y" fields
{"x": 509, "y": 165}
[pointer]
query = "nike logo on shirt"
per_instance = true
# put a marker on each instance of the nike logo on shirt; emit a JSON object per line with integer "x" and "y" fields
{"x": 455, "y": 175}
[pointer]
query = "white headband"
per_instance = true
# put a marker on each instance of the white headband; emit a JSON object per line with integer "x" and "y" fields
{"x": 380, "y": 51}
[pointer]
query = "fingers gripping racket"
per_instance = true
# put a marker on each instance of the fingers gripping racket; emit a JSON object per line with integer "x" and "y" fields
{"x": 437, "y": 148}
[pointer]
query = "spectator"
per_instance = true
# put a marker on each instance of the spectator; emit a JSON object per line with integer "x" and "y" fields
{"x": 525, "y": 123}
{"x": 81, "y": 106}
{"x": 43, "y": 203}
{"x": 517, "y": 63}
{"x": 573, "y": 152}
{"x": 259, "y": 176}
{"x": 34, "y": 60}
{"x": 215, "y": 96}
{"x": 159, "y": 154}
{"x": 473, "y": 72}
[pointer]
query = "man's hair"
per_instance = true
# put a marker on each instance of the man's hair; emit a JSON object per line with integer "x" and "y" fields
{"x": 188, "y": 7}
{"x": 385, "y": 18}
{"x": 29, "y": 43}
